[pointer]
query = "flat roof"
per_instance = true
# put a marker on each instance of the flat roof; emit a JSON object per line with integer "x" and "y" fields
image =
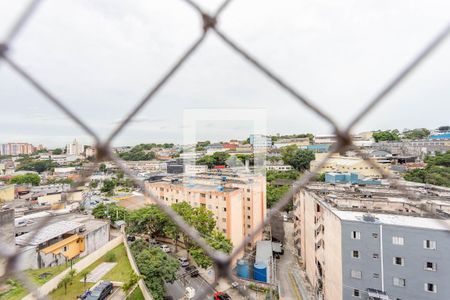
{"x": 47, "y": 233}
{"x": 263, "y": 251}
{"x": 396, "y": 220}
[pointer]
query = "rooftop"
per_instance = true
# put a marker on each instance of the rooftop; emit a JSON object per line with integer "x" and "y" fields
{"x": 397, "y": 220}
{"x": 47, "y": 233}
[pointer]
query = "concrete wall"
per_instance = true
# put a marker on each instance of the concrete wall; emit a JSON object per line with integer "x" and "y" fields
{"x": 7, "y": 233}
{"x": 96, "y": 239}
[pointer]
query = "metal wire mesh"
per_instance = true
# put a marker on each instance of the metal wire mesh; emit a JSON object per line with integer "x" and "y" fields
{"x": 222, "y": 261}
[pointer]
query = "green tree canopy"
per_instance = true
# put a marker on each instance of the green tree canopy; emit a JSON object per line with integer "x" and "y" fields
{"x": 217, "y": 159}
{"x": 388, "y": 135}
{"x": 299, "y": 159}
{"x": 36, "y": 165}
{"x": 57, "y": 151}
{"x": 416, "y": 134}
{"x": 155, "y": 266}
{"x": 29, "y": 178}
{"x": 437, "y": 171}
{"x": 108, "y": 186}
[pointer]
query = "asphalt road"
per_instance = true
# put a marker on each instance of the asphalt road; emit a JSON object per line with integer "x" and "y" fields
{"x": 287, "y": 262}
{"x": 178, "y": 288}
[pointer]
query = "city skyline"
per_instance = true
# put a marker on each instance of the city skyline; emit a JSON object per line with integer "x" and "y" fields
{"x": 116, "y": 64}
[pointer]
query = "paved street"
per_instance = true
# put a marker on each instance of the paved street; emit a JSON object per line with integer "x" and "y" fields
{"x": 286, "y": 264}
{"x": 178, "y": 288}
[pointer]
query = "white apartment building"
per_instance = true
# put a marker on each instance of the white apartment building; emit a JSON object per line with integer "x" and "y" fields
{"x": 372, "y": 243}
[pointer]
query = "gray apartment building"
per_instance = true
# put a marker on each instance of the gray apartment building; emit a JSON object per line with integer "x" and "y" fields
{"x": 372, "y": 244}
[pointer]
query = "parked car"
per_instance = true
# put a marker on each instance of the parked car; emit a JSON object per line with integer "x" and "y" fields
{"x": 154, "y": 243}
{"x": 101, "y": 291}
{"x": 221, "y": 296}
{"x": 131, "y": 238}
{"x": 192, "y": 270}
{"x": 165, "y": 248}
{"x": 183, "y": 261}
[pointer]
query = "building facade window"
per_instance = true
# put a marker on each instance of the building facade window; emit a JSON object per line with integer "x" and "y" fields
{"x": 399, "y": 281}
{"x": 398, "y": 240}
{"x": 430, "y": 266}
{"x": 355, "y": 253}
{"x": 430, "y": 287}
{"x": 356, "y": 274}
{"x": 376, "y": 275}
{"x": 356, "y": 293}
{"x": 428, "y": 244}
{"x": 399, "y": 261}
{"x": 376, "y": 255}
{"x": 356, "y": 235}
{"x": 375, "y": 235}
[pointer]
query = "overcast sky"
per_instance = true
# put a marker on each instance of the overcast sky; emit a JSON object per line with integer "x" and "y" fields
{"x": 101, "y": 56}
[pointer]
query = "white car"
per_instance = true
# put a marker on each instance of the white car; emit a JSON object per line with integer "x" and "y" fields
{"x": 183, "y": 261}
{"x": 165, "y": 248}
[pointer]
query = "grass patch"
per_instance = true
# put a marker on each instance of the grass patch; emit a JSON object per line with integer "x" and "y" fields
{"x": 121, "y": 272}
{"x": 136, "y": 294}
{"x": 15, "y": 293}
{"x": 53, "y": 271}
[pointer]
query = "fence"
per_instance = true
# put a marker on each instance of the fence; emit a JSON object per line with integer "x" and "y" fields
{"x": 221, "y": 260}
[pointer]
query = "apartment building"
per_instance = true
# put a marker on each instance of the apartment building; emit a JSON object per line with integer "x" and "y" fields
{"x": 16, "y": 149}
{"x": 238, "y": 203}
{"x": 344, "y": 164}
{"x": 372, "y": 243}
{"x": 74, "y": 148}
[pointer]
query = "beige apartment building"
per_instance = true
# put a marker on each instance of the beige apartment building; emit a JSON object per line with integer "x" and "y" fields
{"x": 337, "y": 163}
{"x": 238, "y": 204}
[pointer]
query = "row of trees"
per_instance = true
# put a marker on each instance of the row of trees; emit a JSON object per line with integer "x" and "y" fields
{"x": 216, "y": 159}
{"x": 413, "y": 134}
{"x": 155, "y": 266}
{"x": 30, "y": 178}
{"x": 39, "y": 166}
{"x": 437, "y": 171}
{"x": 152, "y": 221}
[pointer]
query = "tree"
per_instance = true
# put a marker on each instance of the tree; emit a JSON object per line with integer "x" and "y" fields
{"x": 156, "y": 267}
{"x": 84, "y": 274}
{"x": 388, "y": 135}
{"x": 102, "y": 168}
{"x": 142, "y": 152}
{"x": 36, "y": 165}
{"x": 417, "y": 134}
{"x": 134, "y": 278}
{"x": 203, "y": 220}
{"x": 66, "y": 280}
{"x": 108, "y": 186}
{"x": 275, "y": 193}
{"x": 272, "y": 175}
{"x": 29, "y": 178}
{"x": 93, "y": 184}
{"x": 149, "y": 219}
{"x": 298, "y": 158}
{"x": 437, "y": 171}
{"x": 57, "y": 151}
{"x": 217, "y": 159}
